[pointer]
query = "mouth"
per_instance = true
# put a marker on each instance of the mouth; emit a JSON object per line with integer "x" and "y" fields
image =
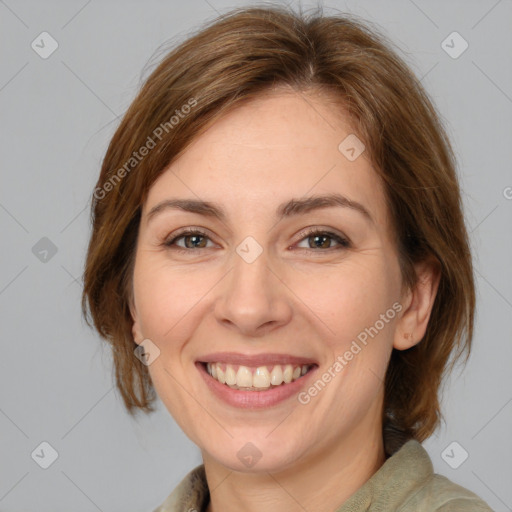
{"x": 260, "y": 378}
{"x": 255, "y": 381}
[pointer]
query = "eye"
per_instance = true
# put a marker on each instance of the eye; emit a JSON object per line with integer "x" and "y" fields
{"x": 192, "y": 239}
{"x": 314, "y": 238}
{"x": 320, "y": 239}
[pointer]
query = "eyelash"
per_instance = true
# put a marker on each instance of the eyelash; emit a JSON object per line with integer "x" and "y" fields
{"x": 344, "y": 243}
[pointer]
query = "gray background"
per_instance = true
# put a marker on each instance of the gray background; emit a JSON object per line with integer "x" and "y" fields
{"x": 57, "y": 116}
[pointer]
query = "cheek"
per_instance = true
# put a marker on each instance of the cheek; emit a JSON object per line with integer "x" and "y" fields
{"x": 350, "y": 301}
{"x": 166, "y": 297}
{"x": 349, "y": 297}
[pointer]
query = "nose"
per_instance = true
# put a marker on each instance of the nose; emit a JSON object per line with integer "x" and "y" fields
{"x": 253, "y": 299}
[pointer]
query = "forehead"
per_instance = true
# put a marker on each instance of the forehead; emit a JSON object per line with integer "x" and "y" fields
{"x": 275, "y": 147}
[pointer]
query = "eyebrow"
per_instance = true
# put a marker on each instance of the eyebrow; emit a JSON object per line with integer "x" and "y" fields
{"x": 287, "y": 209}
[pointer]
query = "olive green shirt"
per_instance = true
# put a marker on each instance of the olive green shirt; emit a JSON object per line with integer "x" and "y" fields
{"x": 406, "y": 482}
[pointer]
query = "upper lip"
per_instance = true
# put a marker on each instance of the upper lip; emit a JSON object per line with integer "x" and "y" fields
{"x": 254, "y": 360}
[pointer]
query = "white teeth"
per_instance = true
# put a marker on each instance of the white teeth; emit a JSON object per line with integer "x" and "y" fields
{"x": 288, "y": 373}
{"x": 255, "y": 379}
{"x": 261, "y": 378}
{"x": 243, "y": 377}
{"x": 230, "y": 376}
{"x": 220, "y": 375}
{"x": 276, "y": 377}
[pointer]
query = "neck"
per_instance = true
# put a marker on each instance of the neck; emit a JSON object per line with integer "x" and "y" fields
{"x": 323, "y": 482}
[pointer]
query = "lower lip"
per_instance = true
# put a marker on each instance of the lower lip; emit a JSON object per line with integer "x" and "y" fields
{"x": 254, "y": 399}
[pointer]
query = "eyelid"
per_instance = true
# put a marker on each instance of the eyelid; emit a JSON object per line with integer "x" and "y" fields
{"x": 186, "y": 231}
{"x": 342, "y": 240}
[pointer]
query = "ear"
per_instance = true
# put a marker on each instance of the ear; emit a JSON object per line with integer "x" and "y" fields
{"x": 417, "y": 305}
{"x": 136, "y": 329}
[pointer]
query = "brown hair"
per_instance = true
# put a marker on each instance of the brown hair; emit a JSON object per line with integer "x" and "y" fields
{"x": 240, "y": 56}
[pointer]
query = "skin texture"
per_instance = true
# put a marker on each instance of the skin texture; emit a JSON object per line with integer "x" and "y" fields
{"x": 295, "y": 298}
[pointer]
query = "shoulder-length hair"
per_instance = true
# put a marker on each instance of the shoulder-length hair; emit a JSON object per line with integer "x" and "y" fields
{"x": 235, "y": 58}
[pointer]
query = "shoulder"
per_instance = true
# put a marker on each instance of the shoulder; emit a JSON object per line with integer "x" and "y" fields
{"x": 440, "y": 494}
{"x": 406, "y": 482}
{"x": 190, "y": 494}
{"x": 434, "y": 492}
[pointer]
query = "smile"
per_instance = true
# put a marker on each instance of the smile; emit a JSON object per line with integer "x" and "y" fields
{"x": 259, "y": 378}
{"x": 255, "y": 381}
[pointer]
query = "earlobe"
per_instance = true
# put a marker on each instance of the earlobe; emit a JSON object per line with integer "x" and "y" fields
{"x": 412, "y": 325}
{"x": 137, "y": 335}
{"x": 136, "y": 331}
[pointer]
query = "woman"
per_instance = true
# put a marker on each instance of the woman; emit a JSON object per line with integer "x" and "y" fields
{"x": 279, "y": 250}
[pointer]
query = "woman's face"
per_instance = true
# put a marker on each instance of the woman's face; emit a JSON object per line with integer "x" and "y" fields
{"x": 274, "y": 285}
